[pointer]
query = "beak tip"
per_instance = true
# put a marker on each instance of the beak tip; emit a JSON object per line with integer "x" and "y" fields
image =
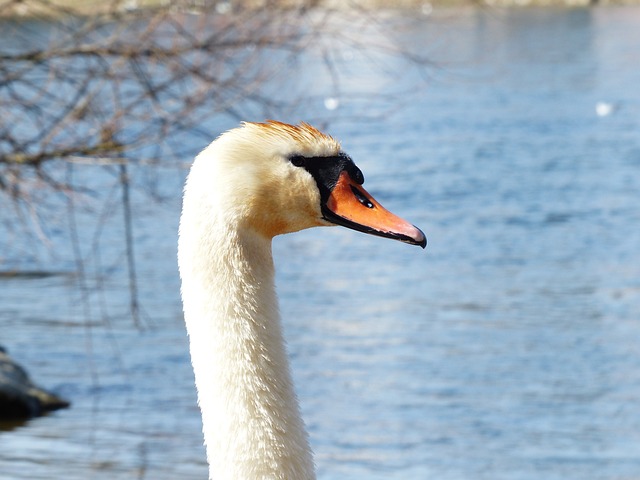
{"x": 414, "y": 236}
{"x": 421, "y": 239}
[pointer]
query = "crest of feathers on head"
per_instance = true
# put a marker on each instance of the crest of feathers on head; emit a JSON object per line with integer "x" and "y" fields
{"x": 304, "y": 134}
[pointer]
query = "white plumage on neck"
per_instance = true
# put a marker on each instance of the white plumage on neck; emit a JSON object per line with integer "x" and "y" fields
{"x": 251, "y": 420}
{"x": 251, "y": 417}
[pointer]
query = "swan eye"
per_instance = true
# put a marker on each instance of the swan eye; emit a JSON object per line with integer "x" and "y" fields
{"x": 298, "y": 160}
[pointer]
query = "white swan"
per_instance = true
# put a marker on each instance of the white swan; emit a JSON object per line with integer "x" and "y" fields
{"x": 250, "y": 184}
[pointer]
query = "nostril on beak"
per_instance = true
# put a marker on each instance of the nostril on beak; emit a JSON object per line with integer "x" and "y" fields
{"x": 361, "y": 197}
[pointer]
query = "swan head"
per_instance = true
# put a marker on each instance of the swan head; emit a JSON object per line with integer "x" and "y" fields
{"x": 275, "y": 178}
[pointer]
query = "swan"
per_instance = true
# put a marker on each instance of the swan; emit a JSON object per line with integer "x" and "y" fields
{"x": 250, "y": 184}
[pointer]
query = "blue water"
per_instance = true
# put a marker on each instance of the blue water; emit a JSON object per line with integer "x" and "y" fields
{"x": 509, "y": 349}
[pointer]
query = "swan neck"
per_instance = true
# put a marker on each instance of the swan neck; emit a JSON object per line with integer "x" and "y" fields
{"x": 251, "y": 419}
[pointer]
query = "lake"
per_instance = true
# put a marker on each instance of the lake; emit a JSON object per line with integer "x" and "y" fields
{"x": 509, "y": 349}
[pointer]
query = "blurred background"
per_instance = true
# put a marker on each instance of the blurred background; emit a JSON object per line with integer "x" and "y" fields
{"x": 509, "y": 349}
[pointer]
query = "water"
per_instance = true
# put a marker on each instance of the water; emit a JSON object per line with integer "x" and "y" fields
{"x": 508, "y": 350}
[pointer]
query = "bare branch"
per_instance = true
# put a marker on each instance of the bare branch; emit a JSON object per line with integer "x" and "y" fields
{"x": 123, "y": 83}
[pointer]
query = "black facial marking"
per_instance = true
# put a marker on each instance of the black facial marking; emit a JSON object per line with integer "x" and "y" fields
{"x": 326, "y": 171}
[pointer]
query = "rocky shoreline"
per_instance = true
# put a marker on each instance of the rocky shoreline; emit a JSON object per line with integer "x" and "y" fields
{"x": 20, "y": 398}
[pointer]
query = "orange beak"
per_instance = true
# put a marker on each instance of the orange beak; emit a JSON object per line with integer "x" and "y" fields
{"x": 351, "y": 206}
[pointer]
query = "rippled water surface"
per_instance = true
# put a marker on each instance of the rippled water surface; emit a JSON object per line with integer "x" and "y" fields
{"x": 509, "y": 349}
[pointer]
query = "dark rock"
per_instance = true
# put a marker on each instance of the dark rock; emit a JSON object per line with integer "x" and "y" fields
{"x": 20, "y": 398}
